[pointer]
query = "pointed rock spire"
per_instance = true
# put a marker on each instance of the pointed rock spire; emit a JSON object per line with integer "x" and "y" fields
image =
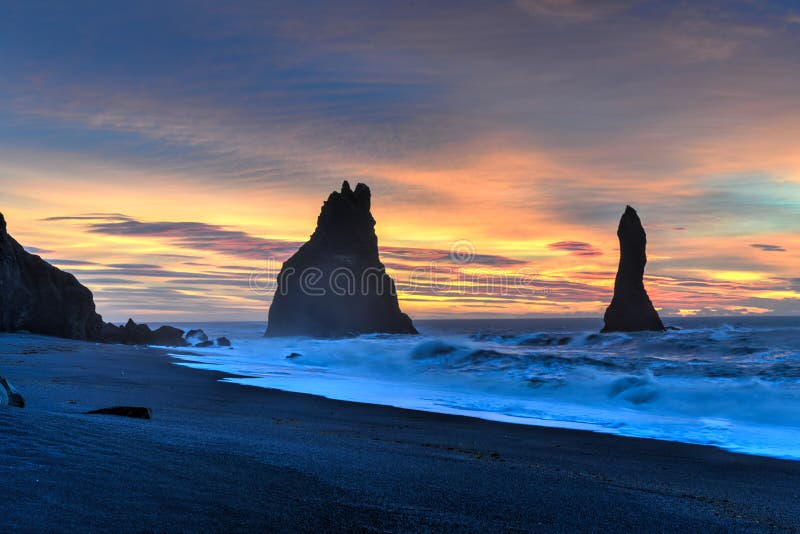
{"x": 630, "y": 309}
{"x": 335, "y": 284}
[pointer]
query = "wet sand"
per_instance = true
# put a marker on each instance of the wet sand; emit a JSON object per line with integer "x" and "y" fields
{"x": 224, "y": 457}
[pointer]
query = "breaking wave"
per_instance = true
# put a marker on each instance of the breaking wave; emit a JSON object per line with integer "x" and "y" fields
{"x": 735, "y": 386}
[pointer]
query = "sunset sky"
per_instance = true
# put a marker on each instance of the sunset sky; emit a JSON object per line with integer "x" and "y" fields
{"x": 171, "y": 154}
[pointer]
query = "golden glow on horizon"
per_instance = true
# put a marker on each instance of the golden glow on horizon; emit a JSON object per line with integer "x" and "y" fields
{"x": 493, "y": 218}
{"x": 736, "y": 276}
{"x": 777, "y": 295}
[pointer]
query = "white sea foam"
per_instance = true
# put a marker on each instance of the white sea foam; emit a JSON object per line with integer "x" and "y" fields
{"x": 731, "y": 386}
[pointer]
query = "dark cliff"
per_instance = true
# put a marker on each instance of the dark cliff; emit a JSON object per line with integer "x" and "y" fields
{"x": 40, "y": 298}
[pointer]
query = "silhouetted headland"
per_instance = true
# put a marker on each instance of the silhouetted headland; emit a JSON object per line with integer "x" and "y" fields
{"x": 631, "y": 309}
{"x": 39, "y": 298}
{"x": 335, "y": 284}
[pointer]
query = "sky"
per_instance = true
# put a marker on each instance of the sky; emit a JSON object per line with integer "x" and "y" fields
{"x": 172, "y": 154}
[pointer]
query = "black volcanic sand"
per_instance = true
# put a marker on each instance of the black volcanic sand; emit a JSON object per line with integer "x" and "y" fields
{"x": 219, "y": 456}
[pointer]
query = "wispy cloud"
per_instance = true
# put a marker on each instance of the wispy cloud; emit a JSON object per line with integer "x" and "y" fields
{"x": 70, "y": 263}
{"x": 134, "y": 266}
{"x": 575, "y": 10}
{"x": 200, "y": 236}
{"x": 422, "y": 255}
{"x": 578, "y": 248}
{"x": 37, "y": 250}
{"x": 768, "y": 248}
{"x": 89, "y": 217}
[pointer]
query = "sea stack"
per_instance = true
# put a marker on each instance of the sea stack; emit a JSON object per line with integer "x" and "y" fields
{"x": 335, "y": 284}
{"x": 630, "y": 309}
{"x": 40, "y": 298}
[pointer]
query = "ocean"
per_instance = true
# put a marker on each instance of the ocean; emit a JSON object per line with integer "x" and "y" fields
{"x": 729, "y": 382}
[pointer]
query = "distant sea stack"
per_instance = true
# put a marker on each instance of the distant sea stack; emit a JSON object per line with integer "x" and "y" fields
{"x": 40, "y": 298}
{"x": 335, "y": 284}
{"x": 630, "y": 309}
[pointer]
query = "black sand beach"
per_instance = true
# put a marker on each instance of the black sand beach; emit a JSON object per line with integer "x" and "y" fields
{"x": 224, "y": 457}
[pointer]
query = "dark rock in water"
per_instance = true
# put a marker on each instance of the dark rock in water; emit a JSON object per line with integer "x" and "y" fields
{"x": 140, "y": 334}
{"x": 194, "y": 337}
{"x": 223, "y": 342}
{"x": 335, "y": 284}
{"x": 206, "y": 343}
{"x": 293, "y": 355}
{"x": 671, "y": 328}
{"x": 42, "y": 299}
{"x": 630, "y": 309}
{"x": 137, "y": 412}
{"x": 168, "y": 336}
{"x": 136, "y": 334}
{"x": 9, "y": 396}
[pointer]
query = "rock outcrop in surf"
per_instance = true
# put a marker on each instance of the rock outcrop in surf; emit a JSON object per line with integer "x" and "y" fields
{"x": 335, "y": 284}
{"x": 631, "y": 309}
{"x": 40, "y": 298}
{"x": 141, "y": 334}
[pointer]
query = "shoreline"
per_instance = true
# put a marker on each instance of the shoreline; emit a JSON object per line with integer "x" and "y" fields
{"x": 220, "y": 456}
{"x": 229, "y": 378}
{"x": 679, "y": 386}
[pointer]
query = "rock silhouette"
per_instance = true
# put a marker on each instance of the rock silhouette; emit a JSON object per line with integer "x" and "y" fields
{"x": 40, "y": 298}
{"x": 195, "y": 337}
{"x": 335, "y": 284}
{"x": 141, "y": 334}
{"x": 9, "y": 396}
{"x": 630, "y": 309}
{"x": 136, "y": 412}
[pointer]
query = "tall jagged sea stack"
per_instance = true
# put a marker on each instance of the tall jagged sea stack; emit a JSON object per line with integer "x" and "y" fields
{"x": 631, "y": 309}
{"x": 335, "y": 285}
